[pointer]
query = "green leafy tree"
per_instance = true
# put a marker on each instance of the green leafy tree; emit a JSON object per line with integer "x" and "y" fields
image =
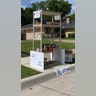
{"x": 72, "y": 16}
{"x": 40, "y": 5}
{"x": 26, "y": 16}
{"x": 29, "y": 15}
{"x": 52, "y": 5}
{"x": 23, "y": 18}
{"x": 60, "y": 6}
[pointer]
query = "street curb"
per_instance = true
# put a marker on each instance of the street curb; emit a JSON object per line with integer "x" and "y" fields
{"x": 33, "y": 80}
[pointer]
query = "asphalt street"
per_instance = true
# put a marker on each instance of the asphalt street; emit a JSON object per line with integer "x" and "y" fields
{"x": 63, "y": 85}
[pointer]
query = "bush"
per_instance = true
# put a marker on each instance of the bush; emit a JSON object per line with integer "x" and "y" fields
{"x": 72, "y": 35}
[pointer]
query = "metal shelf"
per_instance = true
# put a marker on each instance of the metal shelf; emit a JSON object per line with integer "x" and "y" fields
{"x": 41, "y": 25}
{"x": 46, "y": 25}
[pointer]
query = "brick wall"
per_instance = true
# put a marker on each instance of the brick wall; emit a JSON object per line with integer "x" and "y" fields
{"x": 29, "y": 33}
{"x": 29, "y": 36}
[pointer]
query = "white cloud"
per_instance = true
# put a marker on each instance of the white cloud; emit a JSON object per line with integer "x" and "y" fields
{"x": 32, "y": 1}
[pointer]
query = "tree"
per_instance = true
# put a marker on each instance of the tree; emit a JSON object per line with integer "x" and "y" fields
{"x": 60, "y": 6}
{"x": 23, "y": 18}
{"x": 52, "y": 5}
{"x": 72, "y": 16}
{"x": 29, "y": 15}
{"x": 40, "y": 5}
{"x": 26, "y": 16}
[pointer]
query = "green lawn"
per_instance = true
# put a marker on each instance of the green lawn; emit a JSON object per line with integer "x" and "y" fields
{"x": 26, "y": 46}
{"x": 68, "y": 38}
{"x": 27, "y": 72}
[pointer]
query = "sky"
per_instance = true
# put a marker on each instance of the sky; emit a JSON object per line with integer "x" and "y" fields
{"x": 28, "y": 3}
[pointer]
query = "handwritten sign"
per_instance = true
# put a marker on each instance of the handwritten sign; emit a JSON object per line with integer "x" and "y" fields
{"x": 37, "y": 59}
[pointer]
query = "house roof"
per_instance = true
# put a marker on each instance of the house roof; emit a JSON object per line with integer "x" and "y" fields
{"x": 63, "y": 25}
{"x": 69, "y": 25}
{"x": 27, "y": 26}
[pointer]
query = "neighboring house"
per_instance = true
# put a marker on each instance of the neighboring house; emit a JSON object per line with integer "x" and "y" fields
{"x": 67, "y": 28}
{"x": 26, "y": 32}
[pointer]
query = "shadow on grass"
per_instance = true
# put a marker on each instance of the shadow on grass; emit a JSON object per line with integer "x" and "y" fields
{"x": 24, "y": 54}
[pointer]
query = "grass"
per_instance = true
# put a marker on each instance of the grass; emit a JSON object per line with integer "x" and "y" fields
{"x": 68, "y": 38}
{"x": 27, "y": 72}
{"x": 26, "y": 46}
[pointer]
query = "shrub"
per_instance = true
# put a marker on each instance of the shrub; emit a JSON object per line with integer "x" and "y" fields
{"x": 72, "y": 35}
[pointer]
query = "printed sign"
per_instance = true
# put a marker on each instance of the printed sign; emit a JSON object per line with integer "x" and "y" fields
{"x": 37, "y": 14}
{"x": 57, "y": 17}
{"x": 68, "y": 58}
{"x": 62, "y": 71}
{"x": 37, "y": 59}
{"x": 59, "y": 55}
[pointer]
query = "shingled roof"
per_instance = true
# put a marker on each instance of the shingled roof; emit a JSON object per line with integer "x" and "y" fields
{"x": 63, "y": 25}
{"x": 27, "y": 26}
{"x": 69, "y": 25}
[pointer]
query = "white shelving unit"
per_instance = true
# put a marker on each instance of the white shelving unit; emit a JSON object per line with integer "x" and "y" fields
{"x": 37, "y": 58}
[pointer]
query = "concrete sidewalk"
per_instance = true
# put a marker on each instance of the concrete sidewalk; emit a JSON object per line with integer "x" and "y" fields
{"x": 63, "y": 85}
{"x": 44, "y": 76}
{"x": 69, "y": 41}
{"x": 25, "y": 60}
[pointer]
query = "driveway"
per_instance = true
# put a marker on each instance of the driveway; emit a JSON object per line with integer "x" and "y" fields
{"x": 69, "y": 41}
